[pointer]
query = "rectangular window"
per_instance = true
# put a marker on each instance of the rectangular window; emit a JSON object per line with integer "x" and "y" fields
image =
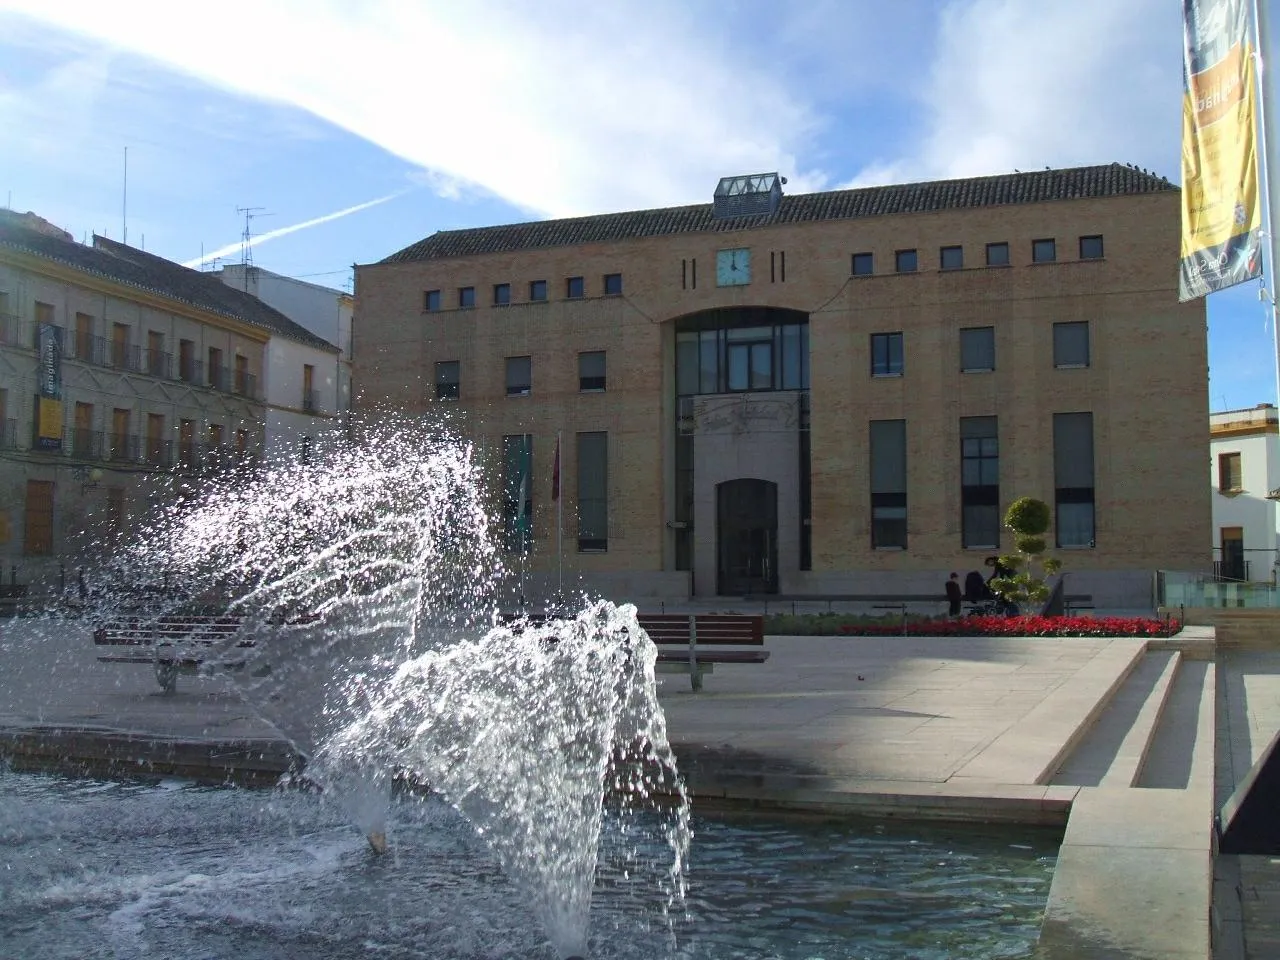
{"x": 448, "y": 380}
{"x": 120, "y": 433}
{"x": 979, "y": 482}
{"x": 466, "y": 298}
{"x": 501, "y": 294}
{"x": 115, "y": 509}
{"x": 1091, "y": 247}
{"x": 84, "y": 336}
{"x": 186, "y": 442}
{"x": 684, "y": 274}
{"x": 215, "y": 435}
{"x": 157, "y": 361}
{"x": 310, "y": 402}
{"x": 905, "y": 261}
{"x": 120, "y": 345}
{"x": 519, "y": 376}
{"x": 889, "y": 484}
{"x": 613, "y": 284}
{"x": 977, "y": 349}
{"x": 537, "y": 290}
{"x": 217, "y": 376}
{"x": 1044, "y": 251}
{"x": 1230, "y": 479}
{"x": 863, "y": 265}
{"x": 593, "y": 492}
{"x": 37, "y": 533}
{"x": 575, "y": 288}
{"x": 242, "y": 442}
{"x": 82, "y": 439}
{"x": 44, "y": 312}
{"x": 187, "y": 361}
{"x": 1073, "y": 479}
{"x": 242, "y": 375}
{"x": 951, "y": 258}
{"x": 517, "y": 492}
{"x": 157, "y": 447}
{"x": 1071, "y": 344}
{"x": 591, "y": 376}
{"x": 886, "y": 355}
{"x": 749, "y": 358}
{"x": 998, "y": 254}
{"x": 431, "y": 301}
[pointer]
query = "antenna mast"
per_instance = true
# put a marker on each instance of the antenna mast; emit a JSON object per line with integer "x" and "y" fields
{"x": 124, "y": 201}
{"x": 246, "y": 240}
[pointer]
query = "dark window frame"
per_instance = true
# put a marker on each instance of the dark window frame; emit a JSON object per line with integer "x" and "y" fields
{"x": 432, "y": 301}
{"x": 1067, "y": 473}
{"x": 943, "y": 253}
{"x": 537, "y": 291}
{"x": 592, "y": 495}
{"x": 517, "y": 496}
{"x": 998, "y": 245}
{"x": 980, "y": 453}
{"x": 592, "y": 383}
{"x": 990, "y": 334}
{"x": 447, "y": 389}
{"x": 517, "y": 386}
{"x": 1090, "y": 238}
{"x": 888, "y": 506}
{"x": 1060, "y": 331}
{"x": 1226, "y": 471}
{"x": 502, "y": 294}
{"x": 900, "y": 255}
{"x": 569, "y": 286}
{"x": 466, "y": 298}
{"x": 858, "y": 259}
{"x": 612, "y": 284}
{"x": 882, "y": 358}
{"x": 1036, "y": 248}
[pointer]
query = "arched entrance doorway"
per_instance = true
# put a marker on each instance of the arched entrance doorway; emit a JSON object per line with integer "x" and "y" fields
{"x": 746, "y": 537}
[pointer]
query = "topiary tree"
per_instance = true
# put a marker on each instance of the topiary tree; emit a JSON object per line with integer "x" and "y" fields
{"x": 1029, "y": 519}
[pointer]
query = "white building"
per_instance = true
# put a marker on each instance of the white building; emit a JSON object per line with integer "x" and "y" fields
{"x": 1245, "y": 476}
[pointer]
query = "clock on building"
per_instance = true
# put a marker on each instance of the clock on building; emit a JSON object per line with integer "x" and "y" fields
{"x": 733, "y": 267}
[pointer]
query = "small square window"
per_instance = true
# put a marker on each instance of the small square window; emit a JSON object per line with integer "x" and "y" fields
{"x": 466, "y": 297}
{"x": 537, "y": 290}
{"x": 613, "y": 284}
{"x": 501, "y": 294}
{"x": 447, "y": 380}
{"x": 998, "y": 254}
{"x": 431, "y": 301}
{"x": 575, "y": 288}
{"x": 863, "y": 264}
{"x": 1071, "y": 344}
{"x": 951, "y": 258}
{"x": 519, "y": 376}
{"x": 905, "y": 261}
{"x": 977, "y": 349}
{"x": 886, "y": 355}
{"x": 1091, "y": 248}
{"x": 1044, "y": 251}
{"x": 591, "y": 377}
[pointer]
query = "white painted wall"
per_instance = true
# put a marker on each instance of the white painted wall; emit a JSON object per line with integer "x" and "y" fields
{"x": 1250, "y": 510}
{"x": 286, "y": 420}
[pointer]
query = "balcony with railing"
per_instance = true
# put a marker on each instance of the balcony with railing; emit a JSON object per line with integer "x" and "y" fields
{"x": 8, "y": 434}
{"x": 1233, "y": 569}
{"x": 10, "y": 329}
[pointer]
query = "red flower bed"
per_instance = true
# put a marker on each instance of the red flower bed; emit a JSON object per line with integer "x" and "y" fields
{"x": 1027, "y": 626}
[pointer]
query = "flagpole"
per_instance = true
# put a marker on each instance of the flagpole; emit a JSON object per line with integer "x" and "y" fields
{"x": 1267, "y": 128}
{"x": 559, "y": 527}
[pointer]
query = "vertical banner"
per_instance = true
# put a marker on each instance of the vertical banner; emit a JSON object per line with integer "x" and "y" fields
{"x": 49, "y": 397}
{"x": 1221, "y": 212}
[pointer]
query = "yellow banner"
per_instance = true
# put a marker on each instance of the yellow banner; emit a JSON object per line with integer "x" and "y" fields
{"x": 1221, "y": 211}
{"x": 48, "y": 423}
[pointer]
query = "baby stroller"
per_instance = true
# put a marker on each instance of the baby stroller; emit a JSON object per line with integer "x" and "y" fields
{"x": 983, "y": 603}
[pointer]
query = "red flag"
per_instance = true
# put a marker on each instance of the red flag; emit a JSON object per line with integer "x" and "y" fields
{"x": 555, "y": 473}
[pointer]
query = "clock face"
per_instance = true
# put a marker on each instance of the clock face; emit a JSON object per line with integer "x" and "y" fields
{"x": 733, "y": 267}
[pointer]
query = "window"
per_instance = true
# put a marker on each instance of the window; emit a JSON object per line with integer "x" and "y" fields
{"x": 951, "y": 258}
{"x": 215, "y": 435}
{"x": 309, "y": 399}
{"x": 1044, "y": 251}
{"x": 82, "y": 439}
{"x": 979, "y": 482}
{"x": 1091, "y": 247}
{"x": 157, "y": 449}
{"x": 37, "y": 539}
{"x": 242, "y": 374}
{"x": 217, "y": 376}
{"x": 886, "y": 354}
{"x": 889, "y": 484}
{"x": 749, "y": 358}
{"x": 501, "y": 294}
{"x": 519, "y": 376}
{"x": 157, "y": 360}
{"x": 187, "y": 361}
{"x": 613, "y": 284}
{"x": 1073, "y": 479}
{"x": 593, "y": 492}
{"x": 997, "y": 254}
{"x": 84, "y": 336}
{"x": 575, "y": 288}
{"x": 591, "y": 371}
{"x": 431, "y": 301}
{"x": 44, "y": 312}
{"x": 448, "y": 380}
{"x": 120, "y": 433}
{"x": 1230, "y": 479}
{"x": 115, "y": 509}
{"x": 1071, "y": 344}
{"x": 120, "y": 345}
{"x": 466, "y": 298}
{"x": 517, "y": 492}
{"x": 905, "y": 261}
{"x": 863, "y": 265}
{"x": 537, "y": 290}
{"x": 242, "y": 442}
{"x": 186, "y": 442}
{"x": 977, "y": 349}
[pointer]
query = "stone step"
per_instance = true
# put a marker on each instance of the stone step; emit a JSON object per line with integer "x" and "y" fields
{"x": 1114, "y": 748}
{"x": 1181, "y": 756}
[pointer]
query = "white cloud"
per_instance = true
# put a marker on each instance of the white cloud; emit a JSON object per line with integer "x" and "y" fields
{"x": 561, "y": 108}
{"x": 1025, "y": 85}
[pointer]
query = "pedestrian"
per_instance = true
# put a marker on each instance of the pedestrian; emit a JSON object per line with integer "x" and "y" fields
{"x": 954, "y": 595}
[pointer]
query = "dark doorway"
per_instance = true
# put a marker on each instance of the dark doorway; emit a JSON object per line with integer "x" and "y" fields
{"x": 747, "y": 537}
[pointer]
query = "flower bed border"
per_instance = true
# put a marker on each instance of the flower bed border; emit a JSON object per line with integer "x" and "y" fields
{"x": 1031, "y": 625}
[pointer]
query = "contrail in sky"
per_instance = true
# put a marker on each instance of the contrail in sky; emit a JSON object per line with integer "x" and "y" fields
{"x": 285, "y": 231}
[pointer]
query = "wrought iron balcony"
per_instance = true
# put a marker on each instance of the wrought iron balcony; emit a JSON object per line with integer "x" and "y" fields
{"x": 1231, "y": 569}
{"x": 8, "y": 434}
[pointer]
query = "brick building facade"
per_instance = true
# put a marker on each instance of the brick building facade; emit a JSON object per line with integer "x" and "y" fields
{"x": 820, "y": 393}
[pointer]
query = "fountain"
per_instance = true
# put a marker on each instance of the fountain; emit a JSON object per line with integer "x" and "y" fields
{"x": 366, "y": 581}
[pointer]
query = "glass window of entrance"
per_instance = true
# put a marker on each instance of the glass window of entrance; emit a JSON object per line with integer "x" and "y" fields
{"x": 717, "y": 352}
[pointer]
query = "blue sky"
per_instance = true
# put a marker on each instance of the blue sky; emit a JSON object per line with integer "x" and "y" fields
{"x": 489, "y": 111}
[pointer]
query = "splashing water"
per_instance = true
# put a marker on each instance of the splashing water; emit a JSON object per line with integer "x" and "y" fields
{"x": 366, "y": 580}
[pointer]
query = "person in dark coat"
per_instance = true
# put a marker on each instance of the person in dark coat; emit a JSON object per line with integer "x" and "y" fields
{"x": 954, "y": 595}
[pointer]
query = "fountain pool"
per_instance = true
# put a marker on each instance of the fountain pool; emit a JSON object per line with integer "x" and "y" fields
{"x": 93, "y": 869}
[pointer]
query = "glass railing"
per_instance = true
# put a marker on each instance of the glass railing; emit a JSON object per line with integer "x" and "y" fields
{"x": 1177, "y": 589}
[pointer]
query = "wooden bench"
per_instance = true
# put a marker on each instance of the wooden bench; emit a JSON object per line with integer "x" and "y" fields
{"x": 693, "y": 633}
{"x": 172, "y": 644}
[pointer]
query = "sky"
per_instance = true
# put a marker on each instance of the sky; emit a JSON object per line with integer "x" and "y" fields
{"x": 357, "y": 127}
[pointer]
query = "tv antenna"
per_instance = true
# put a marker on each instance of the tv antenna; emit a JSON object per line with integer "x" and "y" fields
{"x": 246, "y": 238}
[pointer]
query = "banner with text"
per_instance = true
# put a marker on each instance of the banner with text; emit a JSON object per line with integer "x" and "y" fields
{"x": 49, "y": 397}
{"x": 1221, "y": 211}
